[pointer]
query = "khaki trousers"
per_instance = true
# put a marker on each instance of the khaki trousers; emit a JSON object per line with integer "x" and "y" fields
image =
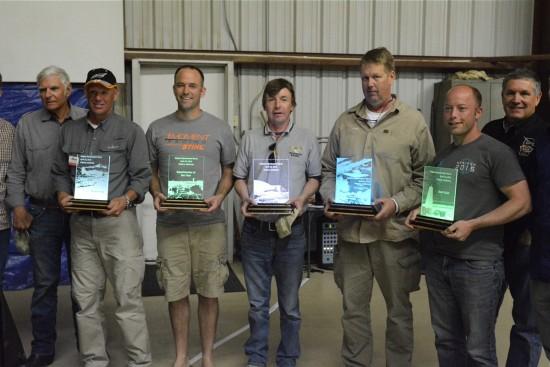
{"x": 396, "y": 268}
{"x": 109, "y": 248}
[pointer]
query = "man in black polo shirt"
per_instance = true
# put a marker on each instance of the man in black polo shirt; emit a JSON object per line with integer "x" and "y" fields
{"x": 521, "y": 93}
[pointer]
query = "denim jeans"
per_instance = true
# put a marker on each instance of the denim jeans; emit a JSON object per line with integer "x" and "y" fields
{"x": 48, "y": 231}
{"x": 525, "y": 344}
{"x": 464, "y": 299}
{"x": 540, "y": 293}
{"x": 4, "y": 243}
{"x": 265, "y": 255}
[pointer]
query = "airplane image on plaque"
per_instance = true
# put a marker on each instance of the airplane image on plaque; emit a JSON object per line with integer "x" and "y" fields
{"x": 271, "y": 187}
{"x": 185, "y": 186}
{"x": 437, "y": 208}
{"x": 353, "y": 189}
{"x": 91, "y": 183}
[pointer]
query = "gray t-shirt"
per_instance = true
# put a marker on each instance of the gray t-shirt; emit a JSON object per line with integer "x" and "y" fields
{"x": 299, "y": 146}
{"x": 484, "y": 166}
{"x": 207, "y": 138}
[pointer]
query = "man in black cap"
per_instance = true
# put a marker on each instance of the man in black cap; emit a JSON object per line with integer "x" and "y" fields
{"x": 107, "y": 244}
{"x": 29, "y": 175}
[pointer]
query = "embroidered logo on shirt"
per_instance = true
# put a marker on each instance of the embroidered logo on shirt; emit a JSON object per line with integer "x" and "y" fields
{"x": 296, "y": 151}
{"x": 526, "y": 147}
{"x": 466, "y": 166}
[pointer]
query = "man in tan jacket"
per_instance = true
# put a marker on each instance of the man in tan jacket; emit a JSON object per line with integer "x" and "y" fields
{"x": 397, "y": 139}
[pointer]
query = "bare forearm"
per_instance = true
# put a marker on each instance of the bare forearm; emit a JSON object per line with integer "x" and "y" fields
{"x": 242, "y": 189}
{"x": 310, "y": 188}
{"x": 226, "y": 182}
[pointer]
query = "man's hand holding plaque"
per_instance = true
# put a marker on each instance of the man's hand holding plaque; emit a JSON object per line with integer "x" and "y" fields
{"x": 271, "y": 187}
{"x": 437, "y": 209}
{"x": 91, "y": 186}
{"x": 353, "y": 192}
{"x": 185, "y": 185}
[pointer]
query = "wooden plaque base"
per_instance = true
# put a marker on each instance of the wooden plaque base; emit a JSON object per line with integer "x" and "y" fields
{"x": 431, "y": 224}
{"x": 350, "y": 209}
{"x": 94, "y": 205}
{"x": 278, "y": 209}
{"x": 182, "y": 204}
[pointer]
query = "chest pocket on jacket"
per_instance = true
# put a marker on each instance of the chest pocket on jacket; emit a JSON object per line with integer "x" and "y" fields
{"x": 116, "y": 149}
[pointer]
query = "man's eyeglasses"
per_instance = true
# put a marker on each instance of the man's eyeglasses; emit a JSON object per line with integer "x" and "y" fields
{"x": 273, "y": 149}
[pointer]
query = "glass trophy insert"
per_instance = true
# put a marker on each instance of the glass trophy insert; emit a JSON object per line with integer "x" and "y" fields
{"x": 271, "y": 187}
{"x": 353, "y": 190}
{"x": 437, "y": 209}
{"x": 185, "y": 187}
{"x": 91, "y": 183}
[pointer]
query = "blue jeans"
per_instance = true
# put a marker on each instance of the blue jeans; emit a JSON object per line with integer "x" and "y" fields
{"x": 48, "y": 231}
{"x": 4, "y": 243}
{"x": 265, "y": 255}
{"x": 525, "y": 344}
{"x": 464, "y": 299}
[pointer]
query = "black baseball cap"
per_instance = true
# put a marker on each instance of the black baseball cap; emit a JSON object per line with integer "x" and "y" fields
{"x": 101, "y": 76}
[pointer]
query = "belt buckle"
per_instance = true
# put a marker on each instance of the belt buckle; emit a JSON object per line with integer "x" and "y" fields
{"x": 272, "y": 227}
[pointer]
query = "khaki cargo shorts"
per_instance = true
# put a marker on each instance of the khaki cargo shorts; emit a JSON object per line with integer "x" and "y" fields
{"x": 191, "y": 254}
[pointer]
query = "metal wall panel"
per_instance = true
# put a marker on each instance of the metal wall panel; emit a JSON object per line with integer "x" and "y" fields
{"x": 280, "y": 26}
{"x": 334, "y": 32}
{"x": 460, "y": 28}
{"x": 412, "y": 27}
{"x": 406, "y": 27}
{"x": 435, "y": 28}
{"x": 483, "y": 40}
{"x": 308, "y": 26}
{"x": 386, "y": 28}
{"x": 253, "y": 26}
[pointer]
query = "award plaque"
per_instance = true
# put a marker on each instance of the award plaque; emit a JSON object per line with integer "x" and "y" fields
{"x": 437, "y": 209}
{"x": 91, "y": 183}
{"x": 353, "y": 190}
{"x": 185, "y": 184}
{"x": 270, "y": 188}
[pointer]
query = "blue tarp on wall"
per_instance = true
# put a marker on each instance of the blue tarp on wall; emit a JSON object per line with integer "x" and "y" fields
{"x": 16, "y": 100}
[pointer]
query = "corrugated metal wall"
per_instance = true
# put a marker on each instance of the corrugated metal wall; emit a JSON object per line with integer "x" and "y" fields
{"x": 406, "y": 27}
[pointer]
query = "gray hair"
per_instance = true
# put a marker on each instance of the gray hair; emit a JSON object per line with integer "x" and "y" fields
{"x": 523, "y": 74}
{"x": 53, "y": 70}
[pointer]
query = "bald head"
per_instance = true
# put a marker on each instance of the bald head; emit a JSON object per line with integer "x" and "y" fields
{"x": 462, "y": 112}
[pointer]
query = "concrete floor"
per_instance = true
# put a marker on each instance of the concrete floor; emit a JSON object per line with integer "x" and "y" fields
{"x": 320, "y": 336}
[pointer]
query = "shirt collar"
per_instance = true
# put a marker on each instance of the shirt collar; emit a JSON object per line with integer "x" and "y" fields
{"x": 45, "y": 115}
{"x": 268, "y": 131}
{"x": 507, "y": 125}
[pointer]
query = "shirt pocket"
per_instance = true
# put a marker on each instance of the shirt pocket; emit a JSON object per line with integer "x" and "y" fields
{"x": 116, "y": 149}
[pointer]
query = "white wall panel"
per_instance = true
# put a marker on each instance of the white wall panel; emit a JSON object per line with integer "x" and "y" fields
{"x": 221, "y": 39}
{"x": 354, "y": 90}
{"x": 252, "y": 81}
{"x": 386, "y": 26}
{"x": 308, "y": 26}
{"x": 360, "y": 26}
{"x": 407, "y": 27}
{"x": 280, "y": 26}
{"x": 253, "y": 25}
{"x": 411, "y": 27}
{"x": 308, "y": 97}
{"x": 513, "y": 27}
{"x": 334, "y": 31}
{"x": 169, "y": 26}
{"x": 333, "y": 98}
{"x": 460, "y": 28}
{"x": 483, "y": 28}
{"x": 435, "y": 28}
{"x": 197, "y": 25}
